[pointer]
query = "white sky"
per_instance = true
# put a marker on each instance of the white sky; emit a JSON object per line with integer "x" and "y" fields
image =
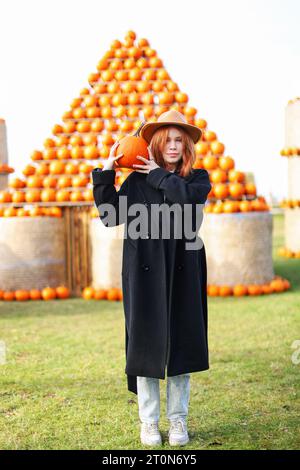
{"x": 238, "y": 60}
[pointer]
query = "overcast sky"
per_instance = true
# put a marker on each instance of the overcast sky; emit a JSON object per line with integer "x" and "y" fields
{"x": 238, "y": 61}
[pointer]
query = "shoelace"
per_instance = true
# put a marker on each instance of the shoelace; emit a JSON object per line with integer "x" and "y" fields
{"x": 152, "y": 428}
{"x": 177, "y": 426}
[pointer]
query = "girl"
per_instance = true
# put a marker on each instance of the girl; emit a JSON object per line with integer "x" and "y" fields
{"x": 163, "y": 275}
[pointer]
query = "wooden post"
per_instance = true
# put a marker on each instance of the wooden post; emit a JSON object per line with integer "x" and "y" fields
{"x": 78, "y": 250}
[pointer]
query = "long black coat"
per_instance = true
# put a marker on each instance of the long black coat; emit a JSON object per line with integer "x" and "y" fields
{"x": 164, "y": 285}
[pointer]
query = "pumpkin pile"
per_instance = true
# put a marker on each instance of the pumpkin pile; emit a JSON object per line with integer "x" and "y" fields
{"x": 130, "y": 86}
{"x": 287, "y": 253}
{"x": 48, "y": 293}
{"x": 89, "y": 293}
{"x": 291, "y": 205}
{"x": 31, "y": 212}
{"x": 4, "y": 168}
{"x": 278, "y": 284}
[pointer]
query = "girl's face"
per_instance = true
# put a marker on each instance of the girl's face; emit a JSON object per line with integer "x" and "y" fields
{"x": 172, "y": 153}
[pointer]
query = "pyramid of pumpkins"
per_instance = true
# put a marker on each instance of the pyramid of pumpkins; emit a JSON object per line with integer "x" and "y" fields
{"x": 129, "y": 86}
{"x": 291, "y": 204}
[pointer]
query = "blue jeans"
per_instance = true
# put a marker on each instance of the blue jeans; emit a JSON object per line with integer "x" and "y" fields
{"x": 178, "y": 394}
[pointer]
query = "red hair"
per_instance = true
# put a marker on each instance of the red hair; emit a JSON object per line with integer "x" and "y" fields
{"x": 158, "y": 142}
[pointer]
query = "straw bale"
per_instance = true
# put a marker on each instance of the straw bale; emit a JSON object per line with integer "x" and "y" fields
{"x": 32, "y": 252}
{"x": 106, "y": 256}
{"x": 292, "y": 228}
{"x": 238, "y": 248}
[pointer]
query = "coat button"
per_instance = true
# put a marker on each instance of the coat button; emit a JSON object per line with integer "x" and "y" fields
{"x": 145, "y": 267}
{"x": 180, "y": 267}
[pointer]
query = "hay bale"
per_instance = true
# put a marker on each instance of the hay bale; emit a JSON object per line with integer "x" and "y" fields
{"x": 3, "y": 142}
{"x": 292, "y": 124}
{"x": 32, "y": 252}
{"x": 106, "y": 258}
{"x": 3, "y": 154}
{"x": 3, "y": 182}
{"x": 292, "y": 229}
{"x": 294, "y": 178}
{"x": 238, "y": 248}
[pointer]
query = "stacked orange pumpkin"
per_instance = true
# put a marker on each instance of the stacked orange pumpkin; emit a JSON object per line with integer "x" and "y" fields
{"x": 278, "y": 284}
{"x": 129, "y": 86}
{"x": 48, "y": 293}
{"x": 90, "y": 293}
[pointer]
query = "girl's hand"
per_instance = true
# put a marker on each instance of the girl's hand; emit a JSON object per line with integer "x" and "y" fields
{"x": 109, "y": 164}
{"x": 149, "y": 164}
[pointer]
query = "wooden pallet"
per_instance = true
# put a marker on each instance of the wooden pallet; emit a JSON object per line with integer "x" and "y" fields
{"x": 78, "y": 249}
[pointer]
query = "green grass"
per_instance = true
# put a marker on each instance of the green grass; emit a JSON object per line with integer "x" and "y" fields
{"x": 64, "y": 386}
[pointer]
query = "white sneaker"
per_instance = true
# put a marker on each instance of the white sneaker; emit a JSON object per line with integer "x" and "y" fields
{"x": 150, "y": 435}
{"x": 178, "y": 435}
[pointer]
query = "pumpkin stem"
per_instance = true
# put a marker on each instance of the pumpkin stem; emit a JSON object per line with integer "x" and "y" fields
{"x": 137, "y": 132}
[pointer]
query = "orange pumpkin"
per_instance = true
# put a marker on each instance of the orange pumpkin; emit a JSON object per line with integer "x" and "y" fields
{"x": 35, "y": 294}
{"x": 213, "y": 290}
{"x": 18, "y": 196}
{"x": 217, "y": 208}
{"x": 56, "y": 211}
{"x": 226, "y": 163}
{"x": 255, "y": 289}
{"x": 62, "y": 292}
{"x": 35, "y": 211}
{"x": 277, "y": 285}
{"x": 218, "y": 176}
{"x": 225, "y": 291}
{"x": 34, "y": 182}
{"x": 29, "y": 170}
{"x": 231, "y": 206}
{"x": 22, "y": 212}
{"x": 132, "y": 146}
{"x": 113, "y": 294}
{"x": 50, "y": 182}
{"x": 42, "y": 169}
{"x": 22, "y": 294}
{"x": 10, "y": 212}
{"x": 8, "y": 295}
{"x": 36, "y": 155}
{"x": 236, "y": 190}
{"x": 33, "y": 195}
{"x": 64, "y": 182}
{"x": 88, "y": 195}
{"x": 245, "y": 206}
{"x": 210, "y": 162}
{"x": 100, "y": 294}
{"x": 221, "y": 190}
{"x": 62, "y": 195}
{"x": 49, "y": 293}
{"x": 240, "y": 290}
{"x": 266, "y": 289}
{"x": 76, "y": 196}
{"x": 17, "y": 183}
{"x": 48, "y": 195}
{"x": 88, "y": 293}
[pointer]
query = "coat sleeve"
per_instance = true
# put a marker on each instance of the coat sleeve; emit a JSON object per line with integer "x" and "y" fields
{"x": 178, "y": 189}
{"x": 104, "y": 192}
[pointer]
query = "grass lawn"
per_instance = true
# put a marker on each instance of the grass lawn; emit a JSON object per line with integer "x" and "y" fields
{"x": 64, "y": 387}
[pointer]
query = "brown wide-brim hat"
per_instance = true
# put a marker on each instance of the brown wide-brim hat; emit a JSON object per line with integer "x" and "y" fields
{"x": 170, "y": 118}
